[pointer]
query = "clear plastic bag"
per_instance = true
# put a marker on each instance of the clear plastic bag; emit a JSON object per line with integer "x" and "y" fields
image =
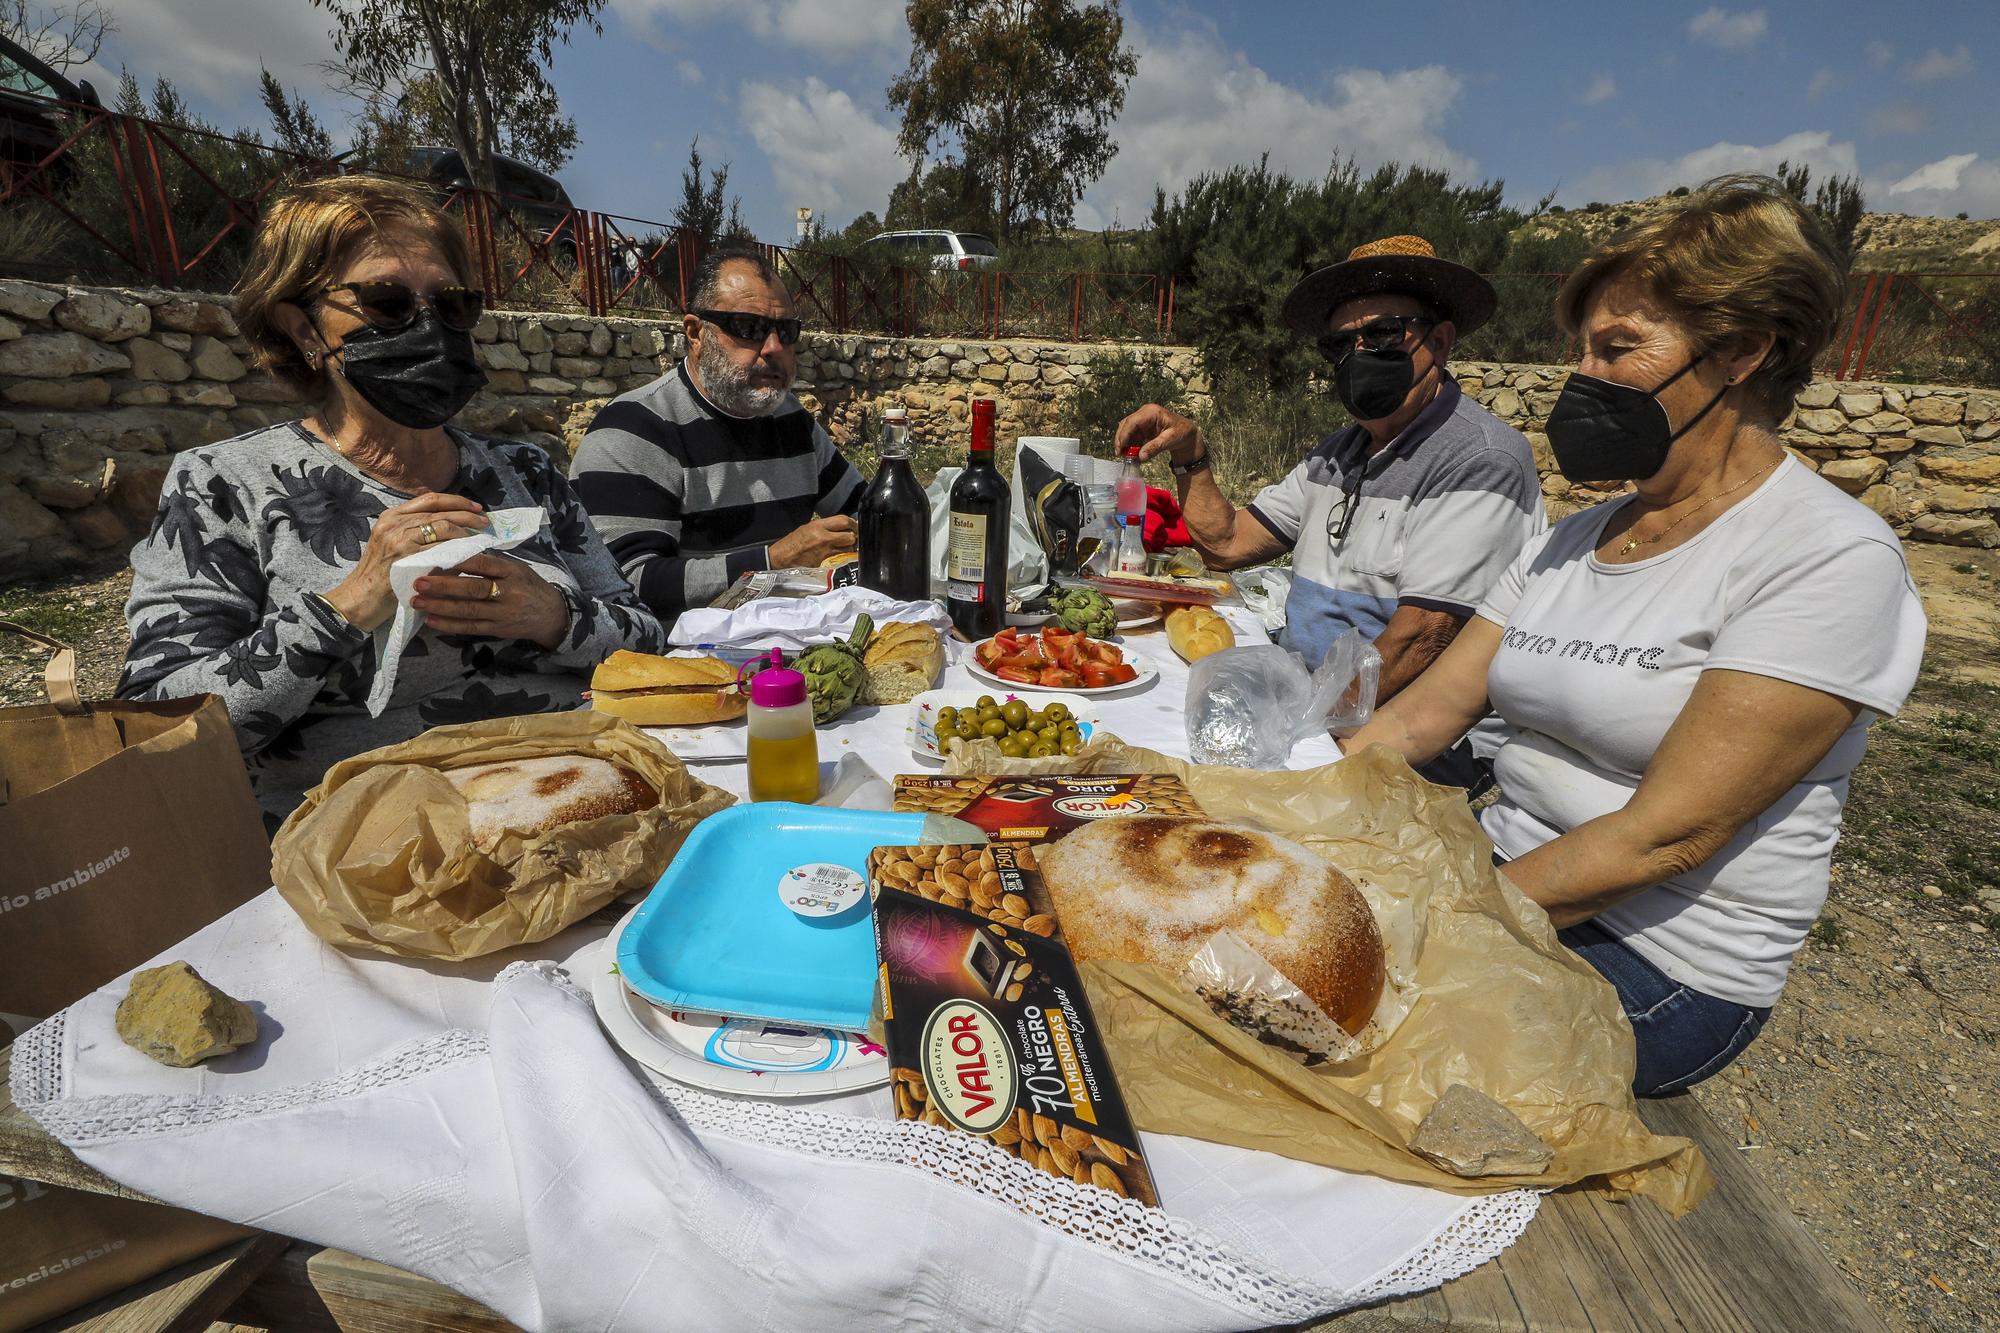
{"x": 1247, "y": 707}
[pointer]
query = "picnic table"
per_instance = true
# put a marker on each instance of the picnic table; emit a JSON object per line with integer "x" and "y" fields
{"x": 1739, "y": 1261}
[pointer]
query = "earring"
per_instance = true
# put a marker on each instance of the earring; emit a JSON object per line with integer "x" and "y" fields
{"x": 312, "y": 360}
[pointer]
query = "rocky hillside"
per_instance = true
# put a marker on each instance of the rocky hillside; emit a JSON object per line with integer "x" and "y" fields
{"x": 1887, "y": 241}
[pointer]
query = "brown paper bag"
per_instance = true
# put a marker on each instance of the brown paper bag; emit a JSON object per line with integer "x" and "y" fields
{"x": 126, "y": 827}
{"x": 379, "y": 855}
{"x": 63, "y": 1248}
{"x": 1500, "y": 1004}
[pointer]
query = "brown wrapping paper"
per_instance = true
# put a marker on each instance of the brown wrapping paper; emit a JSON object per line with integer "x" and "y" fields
{"x": 379, "y": 855}
{"x": 1492, "y": 1000}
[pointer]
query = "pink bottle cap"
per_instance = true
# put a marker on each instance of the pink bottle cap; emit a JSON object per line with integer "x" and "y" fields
{"x": 777, "y": 687}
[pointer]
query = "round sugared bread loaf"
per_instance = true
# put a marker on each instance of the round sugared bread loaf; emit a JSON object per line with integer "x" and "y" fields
{"x": 1152, "y": 888}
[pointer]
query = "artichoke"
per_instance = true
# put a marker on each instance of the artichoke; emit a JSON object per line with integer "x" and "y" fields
{"x": 834, "y": 674}
{"x": 1085, "y": 611}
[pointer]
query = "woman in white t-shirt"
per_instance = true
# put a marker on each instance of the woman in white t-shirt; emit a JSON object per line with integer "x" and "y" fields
{"x": 1688, "y": 672}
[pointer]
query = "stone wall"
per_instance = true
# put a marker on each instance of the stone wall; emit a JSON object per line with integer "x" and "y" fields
{"x": 98, "y": 387}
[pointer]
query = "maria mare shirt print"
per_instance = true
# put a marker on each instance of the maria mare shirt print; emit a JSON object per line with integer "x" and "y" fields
{"x": 248, "y": 527}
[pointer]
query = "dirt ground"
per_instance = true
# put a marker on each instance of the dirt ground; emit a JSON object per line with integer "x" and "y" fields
{"x": 1869, "y": 1103}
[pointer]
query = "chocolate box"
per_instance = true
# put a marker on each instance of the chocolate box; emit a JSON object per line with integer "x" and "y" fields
{"x": 985, "y": 1019}
{"x": 1042, "y": 809}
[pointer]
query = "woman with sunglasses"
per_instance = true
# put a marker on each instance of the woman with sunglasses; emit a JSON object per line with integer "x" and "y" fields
{"x": 1689, "y": 670}
{"x": 265, "y": 577}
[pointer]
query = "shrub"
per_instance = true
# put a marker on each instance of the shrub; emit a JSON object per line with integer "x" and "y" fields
{"x": 1111, "y": 385}
{"x": 1678, "y": 192}
{"x": 1595, "y": 207}
{"x": 1259, "y": 434}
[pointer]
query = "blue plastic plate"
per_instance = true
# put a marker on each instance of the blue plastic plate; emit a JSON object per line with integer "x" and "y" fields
{"x": 715, "y": 934}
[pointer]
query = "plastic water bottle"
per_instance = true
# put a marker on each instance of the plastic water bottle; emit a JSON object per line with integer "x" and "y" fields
{"x": 1131, "y": 487}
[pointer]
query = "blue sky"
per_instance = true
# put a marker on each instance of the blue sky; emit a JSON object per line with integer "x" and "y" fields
{"x": 1594, "y": 100}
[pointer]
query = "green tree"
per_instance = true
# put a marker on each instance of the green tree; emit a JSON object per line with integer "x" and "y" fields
{"x": 1837, "y": 203}
{"x": 477, "y": 69}
{"x": 702, "y": 209}
{"x": 948, "y": 196}
{"x": 297, "y": 129}
{"x": 1021, "y": 93}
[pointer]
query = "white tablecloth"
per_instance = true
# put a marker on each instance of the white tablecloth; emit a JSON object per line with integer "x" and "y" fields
{"x": 471, "y": 1123}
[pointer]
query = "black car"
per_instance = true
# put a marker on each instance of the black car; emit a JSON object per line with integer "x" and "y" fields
{"x": 537, "y": 199}
{"x": 31, "y": 124}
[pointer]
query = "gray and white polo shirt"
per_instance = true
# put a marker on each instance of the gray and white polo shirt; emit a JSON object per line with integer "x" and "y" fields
{"x": 1438, "y": 516}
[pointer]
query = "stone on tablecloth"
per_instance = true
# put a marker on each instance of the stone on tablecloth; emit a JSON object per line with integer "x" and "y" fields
{"x": 1469, "y": 1134}
{"x": 179, "y": 1019}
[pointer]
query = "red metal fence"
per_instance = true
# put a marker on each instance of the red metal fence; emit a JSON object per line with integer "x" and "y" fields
{"x": 117, "y": 198}
{"x": 1934, "y": 327}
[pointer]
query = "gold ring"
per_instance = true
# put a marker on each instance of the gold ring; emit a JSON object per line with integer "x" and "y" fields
{"x": 493, "y": 590}
{"x": 427, "y": 534}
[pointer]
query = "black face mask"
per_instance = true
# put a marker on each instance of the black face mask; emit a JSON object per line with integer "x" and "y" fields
{"x": 418, "y": 376}
{"x": 1603, "y": 431}
{"x": 1374, "y": 384}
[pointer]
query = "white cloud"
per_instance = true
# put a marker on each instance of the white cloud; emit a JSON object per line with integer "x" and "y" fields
{"x": 689, "y": 71}
{"x": 1898, "y": 118}
{"x": 1824, "y": 81}
{"x": 1602, "y": 89}
{"x": 1944, "y": 174}
{"x": 1195, "y": 106}
{"x": 1937, "y": 65}
{"x": 1730, "y": 31}
{"x": 1644, "y": 177}
{"x": 839, "y": 28}
{"x": 214, "y": 49}
{"x": 1879, "y": 52}
{"x": 826, "y": 152}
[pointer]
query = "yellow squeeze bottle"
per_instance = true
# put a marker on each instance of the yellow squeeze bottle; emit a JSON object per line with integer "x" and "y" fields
{"x": 784, "y": 750}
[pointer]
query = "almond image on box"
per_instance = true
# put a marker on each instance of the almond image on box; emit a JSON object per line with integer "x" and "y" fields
{"x": 650, "y": 691}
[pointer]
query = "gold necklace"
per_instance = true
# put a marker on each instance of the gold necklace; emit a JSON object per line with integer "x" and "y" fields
{"x": 1634, "y": 543}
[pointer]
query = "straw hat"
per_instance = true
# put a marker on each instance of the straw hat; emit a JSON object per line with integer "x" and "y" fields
{"x": 1405, "y": 265}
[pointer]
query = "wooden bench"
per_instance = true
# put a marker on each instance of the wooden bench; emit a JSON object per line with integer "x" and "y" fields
{"x": 1739, "y": 1262}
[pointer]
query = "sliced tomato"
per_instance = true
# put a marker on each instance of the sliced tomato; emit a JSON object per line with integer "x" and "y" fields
{"x": 1018, "y": 674}
{"x": 1060, "y": 678}
{"x": 1096, "y": 676}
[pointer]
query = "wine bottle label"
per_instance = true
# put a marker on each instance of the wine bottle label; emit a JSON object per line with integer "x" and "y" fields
{"x": 965, "y": 558}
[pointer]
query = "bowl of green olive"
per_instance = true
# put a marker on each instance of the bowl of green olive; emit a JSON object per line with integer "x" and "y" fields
{"x": 1038, "y": 728}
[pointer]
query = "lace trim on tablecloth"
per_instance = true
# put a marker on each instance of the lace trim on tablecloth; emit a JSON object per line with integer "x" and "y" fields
{"x": 34, "y": 1064}
{"x": 90, "y": 1119}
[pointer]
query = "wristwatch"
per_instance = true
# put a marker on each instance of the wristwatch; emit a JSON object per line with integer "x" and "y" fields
{"x": 1200, "y": 464}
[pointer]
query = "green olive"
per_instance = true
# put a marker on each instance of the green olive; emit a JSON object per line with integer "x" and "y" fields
{"x": 1041, "y": 750}
{"x": 1015, "y": 712}
{"x": 994, "y": 727}
{"x": 947, "y": 717}
{"x": 989, "y": 714}
{"x": 984, "y": 702}
{"x": 1069, "y": 729}
{"x": 1011, "y": 747}
{"x": 1071, "y": 744}
{"x": 1051, "y": 734}
{"x": 1057, "y": 712}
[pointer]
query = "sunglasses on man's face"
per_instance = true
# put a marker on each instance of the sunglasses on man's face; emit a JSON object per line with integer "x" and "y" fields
{"x": 1381, "y": 334}
{"x": 391, "y": 306}
{"x": 754, "y": 329}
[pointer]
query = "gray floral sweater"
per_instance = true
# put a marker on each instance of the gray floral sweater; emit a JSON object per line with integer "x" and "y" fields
{"x": 247, "y": 527}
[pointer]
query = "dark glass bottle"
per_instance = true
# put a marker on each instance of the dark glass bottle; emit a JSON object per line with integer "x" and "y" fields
{"x": 976, "y": 560}
{"x": 895, "y": 520}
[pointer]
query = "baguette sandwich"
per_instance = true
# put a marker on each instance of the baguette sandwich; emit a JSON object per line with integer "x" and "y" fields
{"x": 650, "y": 691}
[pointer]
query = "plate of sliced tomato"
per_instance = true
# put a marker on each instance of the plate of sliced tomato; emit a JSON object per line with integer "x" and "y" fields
{"x": 1054, "y": 658}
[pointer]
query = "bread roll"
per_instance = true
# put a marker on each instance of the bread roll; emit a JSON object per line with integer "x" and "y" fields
{"x": 533, "y": 796}
{"x": 901, "y": 662}
{"x": 650, "y": 691}
{"x": 1153, "y": 888}
{"x": 1195, "y": 631}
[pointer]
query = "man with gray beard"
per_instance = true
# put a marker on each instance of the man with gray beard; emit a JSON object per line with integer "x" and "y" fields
{"x": 715, "y": 468}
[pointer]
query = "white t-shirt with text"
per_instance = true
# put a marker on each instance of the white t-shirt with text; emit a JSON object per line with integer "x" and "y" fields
{"x": 1798, "y": 582}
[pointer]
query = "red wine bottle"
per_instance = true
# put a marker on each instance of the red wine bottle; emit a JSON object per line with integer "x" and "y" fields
{"x": 895, "y": 520}
{"x": 976, "y": 560}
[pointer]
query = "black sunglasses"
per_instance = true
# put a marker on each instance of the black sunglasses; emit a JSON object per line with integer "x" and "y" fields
{"x": 391, "y": 306}
{"x": 1380, "y": 334}
{"x": 745, "y": 327}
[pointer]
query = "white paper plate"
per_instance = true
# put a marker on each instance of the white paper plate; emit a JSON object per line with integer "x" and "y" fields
{"x": 1133, "y": 614}
{"x": 1147, "y": 675}
{"x": 920, "y": 731}
{"x": 717, "y": 741}
{"x": 735, "y": 1055}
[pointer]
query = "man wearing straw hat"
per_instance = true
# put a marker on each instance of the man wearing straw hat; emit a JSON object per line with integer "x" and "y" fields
{"x": 1398, "y": 523}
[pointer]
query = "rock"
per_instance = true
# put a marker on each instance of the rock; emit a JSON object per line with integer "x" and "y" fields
{"x": 1471, "y": 1135}
{"x": 1959, "y": 500}
{"x": 577, "y": 367}
{"x": 501, "y": 356}
{"x": 102, "y": 316}
{"x": 59, "y": 393}
{"x": 550, "y": 385}
{"x": 51, "y": 356}
{"x": 534, "y": 338}
{"x": 212, "y": 361}
{"x": 98, "y": 528}
{"x": 28, "y": 300}
{"x": 1884, "y": 500}
{"x": 1883, "y": 423}
{"x": 1945, "y": 435}
{"x": 1824, "y": 421}
{"x": 993, "y": 373}
{"x": 571, "y": 344}
{"x": 174, "y": 1016}
{"x": 1861, "y": 404}
{"x": 142, "y": 395}
{"x": 1980, "y": 470}
{"x": 1505, "y": 404}
{"x": 506, "y": 381}
{"x": 156, "y": 361}
{"x": 600, "y": 340}
{"x": 1020, "y": 372}
{"x": 185, "y": 316}
{"x": 1981, "y": 532}
{"x": 1936, "y": 410}
{"x": 1854, "y": 475}
{"x": 261, "y": 388}
{"x": 1818, "y": 394}
{"x": 203, "y": 395}
{"x": 62, "y": 492}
